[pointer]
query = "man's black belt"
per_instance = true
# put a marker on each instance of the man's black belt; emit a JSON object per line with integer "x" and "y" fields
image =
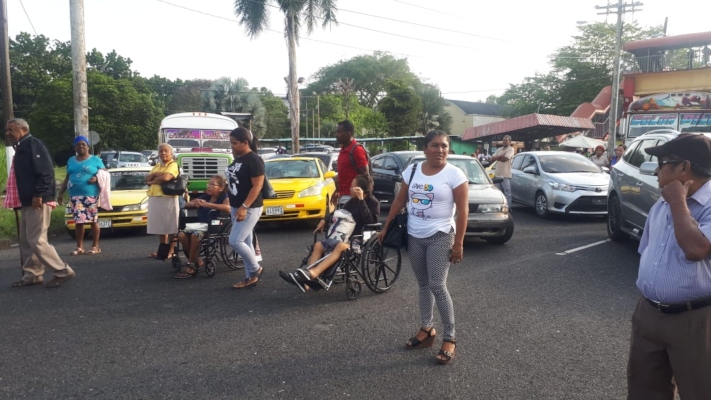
{"x": 680, "y": 307}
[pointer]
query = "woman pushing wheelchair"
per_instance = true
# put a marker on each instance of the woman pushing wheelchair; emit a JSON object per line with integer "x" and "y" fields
{"x": 364, "y": 209}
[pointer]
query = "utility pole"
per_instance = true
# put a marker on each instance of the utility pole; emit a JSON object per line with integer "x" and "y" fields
{"x": 81, "y": 99}
{"x": 619, "y": 9}
{"x": 318, "y": 110}
{"x": 6, "y": 82}
{"x": 307, "y": 119}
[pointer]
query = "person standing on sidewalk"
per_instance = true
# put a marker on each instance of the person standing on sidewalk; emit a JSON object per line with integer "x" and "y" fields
{"x": 671, "y": 323}
{"x": 37, "y": 190}
{"x": 504, "y": 158}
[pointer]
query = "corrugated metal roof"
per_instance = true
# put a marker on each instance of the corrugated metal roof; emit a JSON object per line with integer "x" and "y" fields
{"x": 531, "y": 126}
{"x": 668, "y": 42}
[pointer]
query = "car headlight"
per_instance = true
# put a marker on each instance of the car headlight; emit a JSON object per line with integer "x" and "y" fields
{"x": 493, "y": 208}
{"x": 314, "y": 190}
{"x": 561, "y": 186}
{"x": 137, "y": 207}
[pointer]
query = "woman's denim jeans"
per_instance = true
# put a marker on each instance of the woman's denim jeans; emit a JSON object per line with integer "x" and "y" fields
{"x": 241, "y": 238}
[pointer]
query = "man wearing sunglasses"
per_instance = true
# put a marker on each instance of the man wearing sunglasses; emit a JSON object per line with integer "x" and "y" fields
{"x": 671, "y": 324}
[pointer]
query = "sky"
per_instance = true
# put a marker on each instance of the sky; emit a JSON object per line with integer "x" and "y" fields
{"x": 470, "y": 49}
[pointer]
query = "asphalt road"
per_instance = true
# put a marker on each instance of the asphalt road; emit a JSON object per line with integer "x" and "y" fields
{"x": 531, "y": 324}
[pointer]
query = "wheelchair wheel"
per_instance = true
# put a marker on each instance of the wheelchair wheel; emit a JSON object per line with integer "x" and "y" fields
{"x": 353, "y": 290}
{"x": 380, "y": 265}
{"x": 227, "y": 254}
{"x": 175, "y": 262}
{"x": 210, "y": 268}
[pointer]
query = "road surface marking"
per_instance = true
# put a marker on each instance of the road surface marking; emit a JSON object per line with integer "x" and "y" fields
{"x": 582, "y": 247}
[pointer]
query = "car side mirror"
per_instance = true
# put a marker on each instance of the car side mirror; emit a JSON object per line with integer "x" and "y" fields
{"x": 530, "y": 170}
{"x": 498, "y": 179}
{"x": 329, "y": 174}
{"x": 648, "y": 168}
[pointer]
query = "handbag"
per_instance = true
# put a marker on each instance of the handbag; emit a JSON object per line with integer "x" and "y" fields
{"x": 175, "y": 186}
{"x": 267, "y": 189}
{"x": 396, "y": 234}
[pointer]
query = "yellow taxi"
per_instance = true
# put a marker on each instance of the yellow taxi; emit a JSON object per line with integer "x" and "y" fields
{"x": 491, "y": 169}
{"x": 129, "y": 200}
{"x": 304, "y": 188}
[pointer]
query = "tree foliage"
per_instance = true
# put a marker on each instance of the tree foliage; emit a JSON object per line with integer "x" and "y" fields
{"x": 433, "y": 114}
{"x": 401, "y": 107}
{"x": 230, "y": 95}
{"x": 370, "y": 74}
{"x": 578, "y": 72}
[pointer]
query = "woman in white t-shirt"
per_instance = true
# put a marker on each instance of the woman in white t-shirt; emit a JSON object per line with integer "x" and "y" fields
{"x": 437, "y": 189}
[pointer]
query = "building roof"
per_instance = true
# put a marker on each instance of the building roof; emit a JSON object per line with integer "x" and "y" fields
{"x": 473, "y": 107}
{"x": 529, "y": 127}
{"x": 650, "y": 46}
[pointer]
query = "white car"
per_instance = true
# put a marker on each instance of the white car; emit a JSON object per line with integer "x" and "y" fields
{"x": 559, "y": 182}
{"x": 123, "y": 159}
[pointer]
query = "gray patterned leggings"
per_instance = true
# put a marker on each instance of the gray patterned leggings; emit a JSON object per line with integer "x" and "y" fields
{"x": 429, "y": 258}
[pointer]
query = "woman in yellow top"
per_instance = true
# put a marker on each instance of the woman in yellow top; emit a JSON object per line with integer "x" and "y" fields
{"x": 163, "y": 210}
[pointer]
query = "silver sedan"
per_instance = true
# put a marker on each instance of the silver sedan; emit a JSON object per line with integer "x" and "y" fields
{"x": 559, "y": 182}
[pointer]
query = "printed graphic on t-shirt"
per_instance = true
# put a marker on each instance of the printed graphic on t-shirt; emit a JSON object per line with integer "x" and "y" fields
{"x": 232, "y": 177}
{"x": 421, "y": 201}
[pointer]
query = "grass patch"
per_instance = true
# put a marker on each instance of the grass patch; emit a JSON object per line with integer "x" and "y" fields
{"x": 8, "y": 226}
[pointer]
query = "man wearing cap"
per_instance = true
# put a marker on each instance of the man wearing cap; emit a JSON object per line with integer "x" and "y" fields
{"x": 671, "y": 323}
{"x": 34, "y": 175}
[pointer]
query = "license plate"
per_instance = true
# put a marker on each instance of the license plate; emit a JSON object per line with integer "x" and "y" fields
{"x": 104, "y": 223}
{"x": 279, "y": 210}
{"x": 599, "y": 202}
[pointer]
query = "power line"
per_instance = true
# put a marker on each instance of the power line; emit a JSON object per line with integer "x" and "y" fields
{"x": 429, "y": 9}
{"x": 420, "y": 25}
{"x": 28, "y": 17}
{"x": 281, "y": 33}
{"x": 408, "y": 37}
{"x": 474, "y": 91}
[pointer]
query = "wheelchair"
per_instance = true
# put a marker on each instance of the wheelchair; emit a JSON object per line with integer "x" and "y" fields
{"x": 366, "y": 261}
{"x": 213, "y": 246}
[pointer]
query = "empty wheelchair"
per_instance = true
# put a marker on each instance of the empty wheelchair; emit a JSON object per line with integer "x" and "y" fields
{"x": 365, "y": 261}
{"x": 213, "y": 247}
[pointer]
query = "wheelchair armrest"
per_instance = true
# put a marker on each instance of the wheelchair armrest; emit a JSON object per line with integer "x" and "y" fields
{"x": 373, "y": 227}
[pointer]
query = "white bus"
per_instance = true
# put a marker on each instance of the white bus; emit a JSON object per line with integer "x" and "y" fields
{"x": 197, "y": 131}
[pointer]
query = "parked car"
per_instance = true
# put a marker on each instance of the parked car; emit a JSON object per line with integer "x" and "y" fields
{"x": 123, "y": 159}
{"x": 387, "y": 169}
{"x": 559, "y": 182}
{"x": 329, "y": 159}
{"x": 303, "y": 187}
{"x": 634, "y": 187}
{"x": 313, "y": 148}
{"x": 489, "y": 216}
{"x": 129, "y": 200}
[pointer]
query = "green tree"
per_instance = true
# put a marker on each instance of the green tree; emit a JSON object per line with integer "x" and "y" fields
{"x": 254, "y": 16}
{"x": 401, "y": 106}
{"x": 230, "y": 95}
{"x": 369, "y": 73}
{"x": 276, "y": 115}
{"x": 124, "y": 116}
{"x": 112, "y": 65}
{"x": 433, "y": 114}
{"x": 578, "y": 72}
{"x": 188, "y": 96}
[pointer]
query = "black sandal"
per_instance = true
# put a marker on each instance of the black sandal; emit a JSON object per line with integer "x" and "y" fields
{"x": 415, "y": 343}
{"x": 445, "y": 357}
{"x": 186, "y": 275}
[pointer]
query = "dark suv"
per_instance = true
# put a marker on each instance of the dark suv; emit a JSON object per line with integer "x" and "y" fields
{"x": 387, "y": 168}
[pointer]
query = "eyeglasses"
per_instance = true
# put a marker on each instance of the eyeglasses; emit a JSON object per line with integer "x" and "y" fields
{"x": 673, "y": 162}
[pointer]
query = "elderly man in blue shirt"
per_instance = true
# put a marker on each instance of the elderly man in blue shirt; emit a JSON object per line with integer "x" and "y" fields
{"x": 671, "y": 325}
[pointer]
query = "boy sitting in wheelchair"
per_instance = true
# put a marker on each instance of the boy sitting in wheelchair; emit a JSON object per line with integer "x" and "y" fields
{"x": 362, "y": 209}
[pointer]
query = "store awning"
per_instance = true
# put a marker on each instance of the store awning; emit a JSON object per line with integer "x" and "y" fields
{"x": 529, "y": 127}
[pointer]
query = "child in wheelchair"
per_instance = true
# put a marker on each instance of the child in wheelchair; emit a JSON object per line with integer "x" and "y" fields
{"x": 362, "y": 209}
{"x": 213, "y": 202}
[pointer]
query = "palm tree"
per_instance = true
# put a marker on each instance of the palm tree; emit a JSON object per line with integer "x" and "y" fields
{"x": 254, "y": 15}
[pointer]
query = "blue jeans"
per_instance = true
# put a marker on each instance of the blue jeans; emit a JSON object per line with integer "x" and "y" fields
{"x": 241, "y": 238}
{"x": 505, "y": 188}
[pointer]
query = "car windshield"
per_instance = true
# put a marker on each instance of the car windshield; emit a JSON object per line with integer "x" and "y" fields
{"x": 216, "y": 144}
{"x": 472, "y": 170}
{"x": 405, "y": 157}
{"x": 130, "y": 157}
{"x": 323, "y": 157}
{"x": 287, "y": 169}
{"x": 129, "y": 180}
{"x": 566, "y": 163}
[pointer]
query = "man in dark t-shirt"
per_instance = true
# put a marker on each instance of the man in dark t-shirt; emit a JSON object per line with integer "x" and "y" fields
{"x": 352, "y": 160}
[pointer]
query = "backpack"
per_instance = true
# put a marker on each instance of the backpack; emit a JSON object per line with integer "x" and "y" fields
{"x": 367, "y": 158}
